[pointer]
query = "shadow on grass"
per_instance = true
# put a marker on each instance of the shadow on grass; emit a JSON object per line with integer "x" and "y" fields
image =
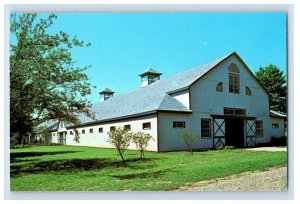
{"x": 154, "y": 174}
{"x": 34, "y": 154}
{"x": 71, "y": 165}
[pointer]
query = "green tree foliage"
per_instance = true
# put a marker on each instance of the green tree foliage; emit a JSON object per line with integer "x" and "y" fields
{"x": 141, "y": 140}
{"x": 189, "y": 138}
{"x": 120, "y": 139}
{"x": 45, "y": 82}
{"x": 45, "y": 136}
{"x": 274, "y": 81}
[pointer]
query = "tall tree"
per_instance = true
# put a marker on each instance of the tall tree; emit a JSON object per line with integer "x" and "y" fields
{"x": 275, "y": 82}
{"x": 44, "y": 79}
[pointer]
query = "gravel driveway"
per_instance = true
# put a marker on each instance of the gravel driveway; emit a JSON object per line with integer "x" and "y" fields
{"x": 275, "y": 179}
{"x": 268, "y": 149}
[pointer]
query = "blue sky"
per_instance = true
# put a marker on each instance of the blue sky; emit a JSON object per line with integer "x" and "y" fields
{"x": 126, "y": 44}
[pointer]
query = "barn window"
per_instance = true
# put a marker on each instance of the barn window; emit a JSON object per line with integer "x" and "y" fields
{"x": 83, "y": 131}
{"x": 248, "y": 91}
{"x": 219, "y": 87}
{"x": 127, "y": 127}
{"x": 53, "y": 134}
{"x": 234, "y": 78}
{"x": 71, "y": 132}
{"x": 147, "y": 126}
{"x": 91, "y": 130}
{"x": 112, "y": 128}
{"x": 178, "y": 124}
{"x": 275, "y": 125}
{"x": 259, "y": 128}
{"x": 234, "y": 111}
{"x": 205, "y": 128}
{"x": 100, "y": 130}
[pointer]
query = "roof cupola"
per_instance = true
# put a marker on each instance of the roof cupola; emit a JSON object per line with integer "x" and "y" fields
{"x": 149, "y": 76}
{"x": 106, "y": 94}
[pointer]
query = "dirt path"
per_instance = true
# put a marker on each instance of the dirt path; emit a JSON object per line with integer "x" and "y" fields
{"x": 275, "y": 179}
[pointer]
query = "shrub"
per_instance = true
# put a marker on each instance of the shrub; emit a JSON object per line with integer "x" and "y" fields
{"x": 189, "y": 139}
{"x": 14, "y": 139}
{"x": 120, "y": 139}
{"x": 141, "y": 140}
{"x": 229, "y": 147}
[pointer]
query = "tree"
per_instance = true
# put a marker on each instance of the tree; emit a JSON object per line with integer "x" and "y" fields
{"x": 120, "y": 139}
{"x": 45, "y": 136}
{"x": 141, "y": 140}
{"x": 274, "y": 81}
{"x": 189, "y": 139}
{"x": 45, "y": 82}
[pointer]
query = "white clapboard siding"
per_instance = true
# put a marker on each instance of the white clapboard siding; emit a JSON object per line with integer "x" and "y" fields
{"x": 97, "y": 139}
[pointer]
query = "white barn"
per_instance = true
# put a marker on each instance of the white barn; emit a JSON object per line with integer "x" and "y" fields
{"x": 221, "y": 101}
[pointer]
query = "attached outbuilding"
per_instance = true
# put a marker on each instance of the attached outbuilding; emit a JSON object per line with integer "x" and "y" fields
{"x": 221, "y": 102}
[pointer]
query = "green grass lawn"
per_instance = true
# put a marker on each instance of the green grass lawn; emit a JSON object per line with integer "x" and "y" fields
{"x": 70, "y": 168}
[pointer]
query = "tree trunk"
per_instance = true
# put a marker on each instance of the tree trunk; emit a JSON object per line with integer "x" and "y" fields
{"x": 122, "y": 157}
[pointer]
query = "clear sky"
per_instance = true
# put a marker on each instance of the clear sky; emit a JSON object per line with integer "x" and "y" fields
{"x": 126, "y": 44}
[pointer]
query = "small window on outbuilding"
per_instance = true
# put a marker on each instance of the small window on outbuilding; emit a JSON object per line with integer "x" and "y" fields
{"x": 179, "y": 124}
{"x": 91, "y": 130}
{"x": 127, "y": 127}
{"x": 100, "y": 130}
{"x": 248, "y": 91}
{"x": 53, "y": 134}
{"x": 112, "y": 128}
{"x": 83, "y": 131}
{"x": 71, "y": 132}
{"x": 147, "y": 126}
{"x": 219, "y": 87}
{"x": 275, "y": 125}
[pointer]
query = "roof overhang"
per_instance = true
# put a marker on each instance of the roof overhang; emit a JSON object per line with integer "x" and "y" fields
{"x": 276, "y": 114}
{"x": 113, "y": 119}
{"x": 232, "y": 116}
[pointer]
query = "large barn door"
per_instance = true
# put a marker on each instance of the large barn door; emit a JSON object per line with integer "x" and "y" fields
{"x": 218, "y": 132}
{"x": 250, "y": 133}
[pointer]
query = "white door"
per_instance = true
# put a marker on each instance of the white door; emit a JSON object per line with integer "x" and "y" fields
{"x": 250, "y": 133}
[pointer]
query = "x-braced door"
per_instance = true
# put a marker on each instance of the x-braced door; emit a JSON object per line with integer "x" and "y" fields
{"x": 250, "y": 133}
{"x": 218, "y": 132}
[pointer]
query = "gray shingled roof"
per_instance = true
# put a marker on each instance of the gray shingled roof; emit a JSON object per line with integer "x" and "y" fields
{"x": 48, "y": 124}
{"x": 149, "y": 98}
{"x": 150, "y": 71}
{"x": 107, "y": 90}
